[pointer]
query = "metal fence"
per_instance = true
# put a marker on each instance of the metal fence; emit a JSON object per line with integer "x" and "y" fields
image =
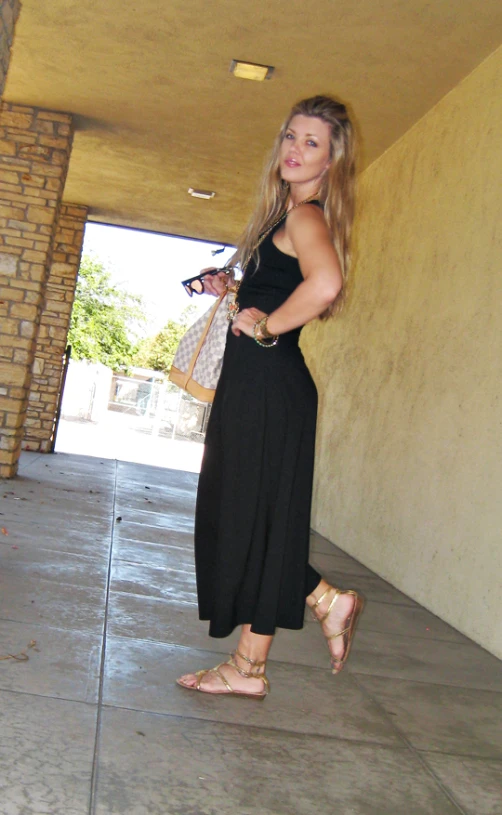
{"x": 159, "y": 408}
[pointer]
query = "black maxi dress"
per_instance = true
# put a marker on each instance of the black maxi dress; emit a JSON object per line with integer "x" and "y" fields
{"x": 252, "y": 519}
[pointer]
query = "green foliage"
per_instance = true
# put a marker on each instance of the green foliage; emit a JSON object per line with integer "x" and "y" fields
{"x": 104, "y": 319}
{"x": 157, "y": 352}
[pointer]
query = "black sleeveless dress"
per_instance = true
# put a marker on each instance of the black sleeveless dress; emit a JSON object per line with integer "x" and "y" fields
{"x": 252, "y": 518}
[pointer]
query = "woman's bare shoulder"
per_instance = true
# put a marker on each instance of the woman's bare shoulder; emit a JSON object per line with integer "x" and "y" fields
{"x": 306, "y": 218}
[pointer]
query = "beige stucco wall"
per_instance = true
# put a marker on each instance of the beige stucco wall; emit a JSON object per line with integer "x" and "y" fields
{"x": 409, "y": 466}
{"x": 9, "y": 11}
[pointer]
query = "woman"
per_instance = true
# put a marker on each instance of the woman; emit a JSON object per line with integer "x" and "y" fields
{"x": 253, "y": 504}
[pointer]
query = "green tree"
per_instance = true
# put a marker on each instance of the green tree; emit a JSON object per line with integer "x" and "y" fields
{"x": 105, "y": 319}
{"x": 157, "y": 352}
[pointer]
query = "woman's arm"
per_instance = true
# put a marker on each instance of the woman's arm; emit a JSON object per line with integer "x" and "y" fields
{"x": 320, "y": 267}
{"x": 308, "y": 233}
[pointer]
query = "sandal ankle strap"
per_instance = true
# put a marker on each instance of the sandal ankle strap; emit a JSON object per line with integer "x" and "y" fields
{"x": 316, "y": 605}
{"x": 253, "y": 665}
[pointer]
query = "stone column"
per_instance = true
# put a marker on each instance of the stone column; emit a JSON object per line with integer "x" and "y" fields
{"x": 53, "y": 331}
{"x": 9, "y": 10}
{"x": 35, "y": 148}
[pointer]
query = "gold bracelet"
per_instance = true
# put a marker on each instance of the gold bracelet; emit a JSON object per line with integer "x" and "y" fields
{"x": 265, "y": 333}
{"x": 266, "y": 339}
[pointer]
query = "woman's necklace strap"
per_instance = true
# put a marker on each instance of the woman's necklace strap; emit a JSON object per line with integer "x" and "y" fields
{"x": 283, "y": 215}
{"x": 274, "y": 224}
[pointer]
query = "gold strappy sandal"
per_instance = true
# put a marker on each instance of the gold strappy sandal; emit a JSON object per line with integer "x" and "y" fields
{"x": 228, "y": 690}
{"x": 351, "y": 622}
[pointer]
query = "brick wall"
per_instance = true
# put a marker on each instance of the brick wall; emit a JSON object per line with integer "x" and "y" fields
{"x": 53, "y": 330}
{"x": 9, "y": 10}
{"x": 35, "y": 147}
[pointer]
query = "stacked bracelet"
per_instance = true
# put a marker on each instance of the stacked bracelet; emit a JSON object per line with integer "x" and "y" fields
{"x": 262, "y": 335}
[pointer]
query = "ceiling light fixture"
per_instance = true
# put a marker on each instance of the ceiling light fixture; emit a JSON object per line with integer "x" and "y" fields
{"x": 251, "y": 70}
{"x": 207, "y": 194}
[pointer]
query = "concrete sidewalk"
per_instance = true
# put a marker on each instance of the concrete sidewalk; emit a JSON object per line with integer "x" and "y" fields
{"x": 126, "y": 438}
{"x": 97, "y": 568}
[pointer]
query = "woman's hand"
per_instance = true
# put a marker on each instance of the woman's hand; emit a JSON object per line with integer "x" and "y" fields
{"x": 214, "y": 284}
{"x": 245, "y": 321}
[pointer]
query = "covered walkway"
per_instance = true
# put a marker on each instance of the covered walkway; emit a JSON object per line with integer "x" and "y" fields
{"x": 98, "y": 571}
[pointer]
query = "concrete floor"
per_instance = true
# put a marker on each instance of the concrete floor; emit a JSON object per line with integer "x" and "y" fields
{"x": 93, "y": 722}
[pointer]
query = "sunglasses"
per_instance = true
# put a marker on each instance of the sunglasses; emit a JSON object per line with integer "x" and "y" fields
{"x": 195, "y": 285}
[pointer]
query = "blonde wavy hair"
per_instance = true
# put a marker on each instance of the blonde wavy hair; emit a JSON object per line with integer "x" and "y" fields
{"x": 336, "y": 194}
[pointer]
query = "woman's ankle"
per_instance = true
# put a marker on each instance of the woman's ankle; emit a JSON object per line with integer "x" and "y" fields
{"x": 248, "y": 666}
{"x": 318, "y": 592}
{"x": 252, "y": 651}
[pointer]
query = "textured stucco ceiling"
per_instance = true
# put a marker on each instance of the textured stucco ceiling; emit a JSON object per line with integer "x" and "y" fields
{"x": 157, "y": 110}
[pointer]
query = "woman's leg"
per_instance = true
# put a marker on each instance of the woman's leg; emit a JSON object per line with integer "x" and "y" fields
{"x": 249, "y": 657}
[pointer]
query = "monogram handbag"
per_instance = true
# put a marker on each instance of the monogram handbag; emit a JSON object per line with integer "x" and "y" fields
{"x": 199, "y": 357}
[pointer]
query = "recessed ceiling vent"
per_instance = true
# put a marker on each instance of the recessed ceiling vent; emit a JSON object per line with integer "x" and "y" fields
{"x": 207, "y": 194}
